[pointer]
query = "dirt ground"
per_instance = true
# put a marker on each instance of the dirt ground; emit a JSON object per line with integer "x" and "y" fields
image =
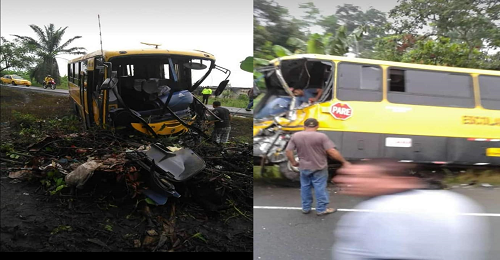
{"x": 213, "y": 214}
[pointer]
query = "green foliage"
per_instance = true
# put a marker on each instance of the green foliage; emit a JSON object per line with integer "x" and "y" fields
{"x": 46, "y": 47}
{"x": 226, "y": 94}
{"x": 53, "y": 182}
{"x": 441, "y": 51}
{"x": 373, "y": 22}
{"x": 281, "y": 51}
{"x": 393, "y": 47}
{"x": 473, "y": 22}
{"x": 328, "y": 43}
{"x": 247, "y": 64}
{"x": 200, "y": 237}
{"x": 23, "y": 120}
{"x": 243, "y": 97}
{"x": 228, "y": 101}
{"x": 6, "y": 147}
{"x": 273, "y": 26}
{"x": 108, "y": 228}
{"x": 150, "y": 201}
{"x": 61, "y": 228}
{"x": 63, "y": 84}
{"x": 14, "y": 56}
{"x": 68, "y": 124}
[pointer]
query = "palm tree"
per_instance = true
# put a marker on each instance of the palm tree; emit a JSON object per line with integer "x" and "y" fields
{"x": 328, "y": 43}
{"x": 46, "y": 48}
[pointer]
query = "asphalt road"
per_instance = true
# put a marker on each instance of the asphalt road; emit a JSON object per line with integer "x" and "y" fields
{"x": 40, "y": 89}
{"x": 281, "y": 231}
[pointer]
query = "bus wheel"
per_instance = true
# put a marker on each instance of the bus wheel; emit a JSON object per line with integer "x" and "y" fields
{"x": 76, "y": 111}
{"x": 288, "y": 172}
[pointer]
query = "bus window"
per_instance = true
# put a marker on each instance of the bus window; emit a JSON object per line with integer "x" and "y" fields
{"x": 72, "y": 73}
{"x": 489, "y": 87}
{"x": 397, "y": 80}
{"x": 83, "y": 72}
{"x": 77, "y": 74}
{"x": 130, "y": 70}
{"x": 431, "y": 88}
{"x": 166, "y": 71}
{"x": 359, "y": 82}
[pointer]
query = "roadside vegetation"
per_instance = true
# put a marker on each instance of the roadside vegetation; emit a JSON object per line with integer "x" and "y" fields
{"x": 43, "y": 143}
{"x": 62, "y": 84}
{"x": 476, "y": 177}
{"x": 454, "y": 33}
{"x": 227, "y": 100}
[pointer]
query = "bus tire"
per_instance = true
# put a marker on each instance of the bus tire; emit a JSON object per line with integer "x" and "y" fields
{"x": 76, "y": 111}
{"x": 287, "y": 172}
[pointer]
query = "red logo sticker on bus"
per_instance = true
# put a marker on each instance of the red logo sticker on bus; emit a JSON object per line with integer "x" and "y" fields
{"x": 341, "y": 111}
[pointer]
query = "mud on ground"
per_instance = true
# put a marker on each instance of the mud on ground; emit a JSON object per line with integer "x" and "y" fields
{"x": 110, "y": 214}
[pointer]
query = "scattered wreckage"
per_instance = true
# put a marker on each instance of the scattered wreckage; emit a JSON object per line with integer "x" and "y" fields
{"x": 149, "y": 91}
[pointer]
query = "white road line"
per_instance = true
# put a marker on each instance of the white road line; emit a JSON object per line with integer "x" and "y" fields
{"x": 365, "y": 210}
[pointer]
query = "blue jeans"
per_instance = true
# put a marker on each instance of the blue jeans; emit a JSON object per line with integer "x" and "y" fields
{"x": 274, "y": 107}
{"x": 318, "y": 180}
{"x": 250, "y": 104}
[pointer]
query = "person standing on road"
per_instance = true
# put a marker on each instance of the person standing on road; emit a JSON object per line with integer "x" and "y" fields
{"x": 250, "y": 100}
{"x": 222, "y": 128}
{"x": 313, "y": 149}
{"x": 206, "y": 92}
{"x": 404, "y": 219}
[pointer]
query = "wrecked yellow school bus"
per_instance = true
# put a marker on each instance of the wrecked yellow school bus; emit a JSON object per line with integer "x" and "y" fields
{"x": 151, "y": 91}
{"x": 431, "y": 115}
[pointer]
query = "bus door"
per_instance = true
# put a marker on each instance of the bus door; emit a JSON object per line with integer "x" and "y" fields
{"x": 82, "y": 85}
{"x": 94, "y": 94}
{"x": 87, "y": 89}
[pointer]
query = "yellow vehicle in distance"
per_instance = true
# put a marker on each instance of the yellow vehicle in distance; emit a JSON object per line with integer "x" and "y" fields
{"x": 15, "y": 80}
{"x": 430, "y": 115}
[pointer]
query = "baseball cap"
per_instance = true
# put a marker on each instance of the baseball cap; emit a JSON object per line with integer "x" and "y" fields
{"x": 311, "y": 122}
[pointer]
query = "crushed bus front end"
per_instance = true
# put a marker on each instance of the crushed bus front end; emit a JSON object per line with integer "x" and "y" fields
{"x": 149, "y": 91}
{"x": 295, "y": 88}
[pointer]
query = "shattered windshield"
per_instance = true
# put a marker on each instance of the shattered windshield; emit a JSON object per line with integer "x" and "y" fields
{"x": 188, "y": 72}
{"x": 295, "y": 84}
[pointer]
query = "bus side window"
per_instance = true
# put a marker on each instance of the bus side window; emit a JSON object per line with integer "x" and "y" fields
{"x": 396, "y": 80}
{"x": 359, "y": 82}
{"x": 489, "y": 87}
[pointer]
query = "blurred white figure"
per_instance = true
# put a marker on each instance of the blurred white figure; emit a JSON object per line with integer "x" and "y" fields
{"x": 403, "y": 220}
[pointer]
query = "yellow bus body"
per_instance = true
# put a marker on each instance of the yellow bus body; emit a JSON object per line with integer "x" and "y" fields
{"x": 370, "y": 122}
{"x": 100, "y": 103}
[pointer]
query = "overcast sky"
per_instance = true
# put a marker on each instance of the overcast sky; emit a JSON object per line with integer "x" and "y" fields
{"x": 221, "y": 27}
{"x": 329, "y": 7}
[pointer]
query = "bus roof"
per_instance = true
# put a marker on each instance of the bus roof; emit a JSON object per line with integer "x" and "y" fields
{"x": 126, "y": 52}
{"x": 388, "y": 63}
